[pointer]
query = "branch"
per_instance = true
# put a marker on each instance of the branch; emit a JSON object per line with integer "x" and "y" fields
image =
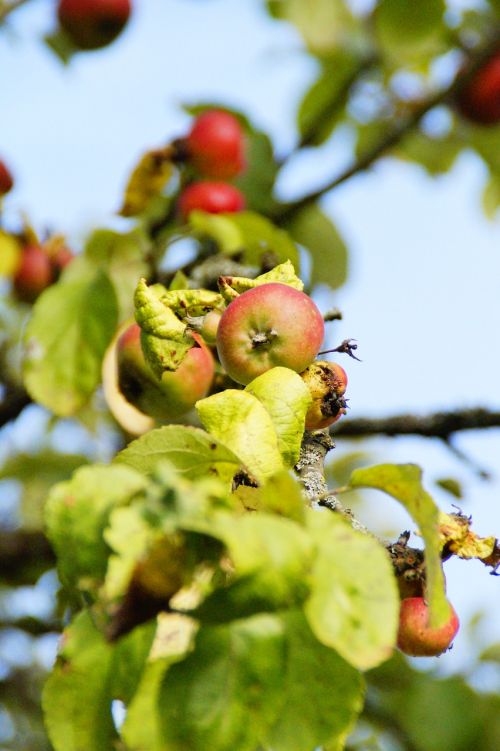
{"x": 14, "y": 400}
{"x": 397, "y": 133}
{"x": 24, "y": 556}
{"x": 7, "y": 8}
{"x": 439, "y": 425}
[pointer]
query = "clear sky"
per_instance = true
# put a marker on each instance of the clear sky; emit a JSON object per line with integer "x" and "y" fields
{"x": 423, "y": 293}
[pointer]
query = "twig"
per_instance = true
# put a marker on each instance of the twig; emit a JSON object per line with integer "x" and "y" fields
{"x": 14, "y": 400}
{"x": 439, "y": 425}
{"x": 394, "y": 136}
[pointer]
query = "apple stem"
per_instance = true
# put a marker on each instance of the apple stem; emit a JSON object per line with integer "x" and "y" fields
{"x": 263, "y": 337}
{"x": 347, "y": 346}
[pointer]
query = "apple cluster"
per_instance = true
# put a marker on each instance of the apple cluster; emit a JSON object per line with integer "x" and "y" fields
{"x": 214, "y": 152}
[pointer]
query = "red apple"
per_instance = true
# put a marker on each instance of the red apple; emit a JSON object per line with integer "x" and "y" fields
{"x": 92, "y": 24}
{"x": 33, "y": 274}
{"x": 213, "y": 197}
{"x": 327, "y": 382}
{"x": 176, "y": 392}
{"x": 479, "y": 99}
{"x": 6, "y": 179}
{"x": 416, "y": 637}
{"x": 269, "y": 325}
{"x": 215, "y": 145}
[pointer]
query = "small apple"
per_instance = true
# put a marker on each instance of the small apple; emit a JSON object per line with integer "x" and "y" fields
{"x": 92, "y": 24}
{"x": 213, "y": 197}
{"x": 479, "y": 99}
{"x": 210, "y": 325}
{"x": 33, "y": 274}
{"x": 6, "y": 179}
{"x": 176, "y": 392}
{"x": 327, "y": 382}
{"x": 215, "y": 145}
{"x": 269, "y": 325}
{"x": 416, "y": 637}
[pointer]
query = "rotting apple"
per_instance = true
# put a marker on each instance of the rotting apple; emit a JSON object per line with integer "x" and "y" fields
{"x": 176, "y": 392}
{"x": 215, "y": 145}
{"x": 91, "y": 24}
{"x": 479, "y": 99}
{"x": 416, "y": 637}
{"x": 327, "y": 383}
{"x": 210, "y": 196}
{"x": 269, "y": 325}
{"x": 33, "y": 274}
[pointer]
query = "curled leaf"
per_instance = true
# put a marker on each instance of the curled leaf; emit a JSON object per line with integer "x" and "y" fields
{"x": 147, "y": 181}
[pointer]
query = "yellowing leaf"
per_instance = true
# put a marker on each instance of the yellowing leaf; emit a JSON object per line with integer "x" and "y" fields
{"x": 457, "y": 537}
{"x": 147, "y": 181}
{"x": 287, "y": 398}
{"x": 10, "y": 253}
{"x": 240, "y": 421}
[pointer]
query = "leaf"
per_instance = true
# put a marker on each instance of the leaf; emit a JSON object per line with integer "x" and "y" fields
{"x": 10, "y": 253}
{"x": 239, "y": 420}
{"x": 451, "y": 485}
{"x": 247, "y": 233}
{"x": 354, "y": 603}
{"x": 435, "y": 155}
{"x": 403, "y": 25}
{"x": 138, "y": 734}
{"x": 164, "y": 340}
{"x": 122, "y": 257}
{"x": 147, "y": 181}
{"x": 404, "y": 483}
{"x": 287, "y": 398}
{"x": 77, "y": 512}
{"x": 323, "y": 103}
{"x": 323, "y": 694}
{"x": 316, "y": 232}
{"x": 190, "y": 450}
{"x": 325, "y": 25}
{"x": 71, "y": 325}
{"x": 37, "y": 473}
{"x": 76, "y": 700}
{"x": 225, "y": 694}
{"x": 281, "y": 494}
{"x": 257, "y": 180}
{"x": 457, "y": 537}
{"x": 61, "y": 45}
{"x": 284, "y": 273}
{"x": 491, "y": 197}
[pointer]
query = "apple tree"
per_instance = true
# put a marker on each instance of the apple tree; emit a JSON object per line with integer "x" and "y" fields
{"x": 215, "y": 586}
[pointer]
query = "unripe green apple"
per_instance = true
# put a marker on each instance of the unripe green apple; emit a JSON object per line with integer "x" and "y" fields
{"x": 327, "y": 382}
{"x": 92, "y": 24}
{"x": 269, "y": 325}
{"x": 210, "y": 326}
{"x": 176, "y": 392}
{"x": 415, "y": 635}
{"x": 33, "y": 274}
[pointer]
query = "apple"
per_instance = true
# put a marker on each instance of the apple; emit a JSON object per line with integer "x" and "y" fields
{"x": 6, "y": 179}
{"x": 213, "y": 197}
{"x": 327, "y": 382}
{"x": 479, "y": 99}
{"x": 91, "y": 24}
{"x": 416, "y": 637}
{"x": 210, "y": 325}
{"x": 33, "y": 274}
{"x": 269, "y": 325}
{"x": 176, "y": 392}
{"x": 215, "y": 145}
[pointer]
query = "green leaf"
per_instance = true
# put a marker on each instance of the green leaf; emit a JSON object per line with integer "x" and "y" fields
{"x": 324, "y": 25}
{"x": 190, "y": 450}
{"x": 61, "y": 45}
{"x": 76, "y": 700}
{"x": 404, "y": 26}
{"x": 323, "y": 103}
{"x": 77, "y": 512}
{"x": 122, "y": 257}
{"x": 404, "y": 483}
{"x": 88, "y": 675}
{"x": 239, "y": 420}
{"x": 38, "y": 473}
{"x": 491, "y": 196}
{"x": 225, "y": 694}
{"x": 141, "y": 729}
{"x": 323, "y": 693}
{"x": 257, "y": 181}
{"x": 451, "y": 485}
{"x": 435, "y": 155}
{"x": 287, "y": 399}
{"x": 281, "y": 494}
{"x": 271, "y": 556}
{"x": 71, "y": 326}
{"x": 354, "y": 603}
{"x": 247, "y": 233}
{"x": 316, "y": 232}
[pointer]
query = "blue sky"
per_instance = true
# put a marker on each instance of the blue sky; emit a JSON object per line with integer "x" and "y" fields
{"x": 422, "y": 298}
